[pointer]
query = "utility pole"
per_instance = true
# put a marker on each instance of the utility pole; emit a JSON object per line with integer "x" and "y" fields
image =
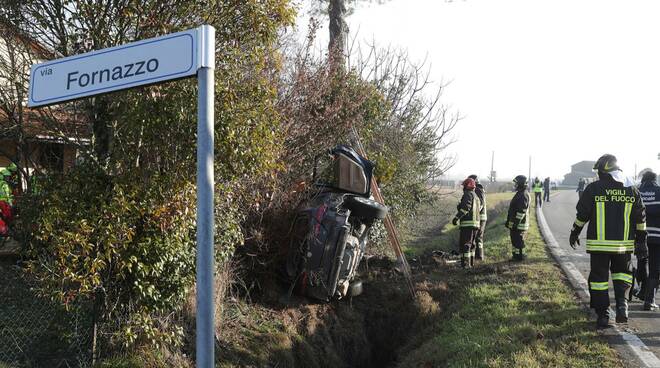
{"x": 492, "y": 168}
{"x": 529, "y": 178}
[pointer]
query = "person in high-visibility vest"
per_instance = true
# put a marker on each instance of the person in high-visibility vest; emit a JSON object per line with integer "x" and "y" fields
{"x": 617, "y": 227}
{"x": 537, "y": 188}
{"x": 5, "y": 190}
{"x": 467, "y": 218}
{"x": 518, "y": 217}
{"x": 7, "y": 181}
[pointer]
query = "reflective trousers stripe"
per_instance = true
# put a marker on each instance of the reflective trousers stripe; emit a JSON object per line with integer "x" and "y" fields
{"x": 469, "y": 224}
{"x": 599, "y": 286}
{"x": 625, "y": 277}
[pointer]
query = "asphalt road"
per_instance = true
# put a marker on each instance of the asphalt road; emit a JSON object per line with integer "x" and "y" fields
{"x": 559, "y": 214}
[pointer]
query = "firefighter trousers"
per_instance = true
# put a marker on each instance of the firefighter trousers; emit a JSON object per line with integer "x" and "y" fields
{"x": 518, "y": 242}
{"x": 479, "y": 241}
{"x": 601, "y": 265}
{"x": 466, "y": 244}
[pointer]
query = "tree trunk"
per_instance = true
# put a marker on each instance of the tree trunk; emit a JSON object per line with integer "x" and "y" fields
{"x": 102, "y": 131}
{"x": 338, "y": 33}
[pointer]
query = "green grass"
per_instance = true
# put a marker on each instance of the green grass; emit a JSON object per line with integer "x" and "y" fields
{"x": 507, "y": 314}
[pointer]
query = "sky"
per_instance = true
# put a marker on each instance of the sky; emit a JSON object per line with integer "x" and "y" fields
{"x": 558, "y": 80}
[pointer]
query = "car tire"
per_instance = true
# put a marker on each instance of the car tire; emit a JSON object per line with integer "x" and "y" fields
{"x": 365, "y": 208}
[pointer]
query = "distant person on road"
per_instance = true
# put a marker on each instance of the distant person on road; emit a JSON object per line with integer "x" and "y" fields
{"x": 617, "y": 226}
{"x": 537, "y": 188}
{"x": 518, "y": 218}
{"x": 467, "y": 218}
{"x": 650, "y": 192}
{"x": 479, "y": 237}
{"x": 580, "y": 188}
{"x": 546, "y": 189}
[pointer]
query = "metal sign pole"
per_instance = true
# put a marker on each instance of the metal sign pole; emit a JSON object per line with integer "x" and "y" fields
{"x": 205, "y": 318}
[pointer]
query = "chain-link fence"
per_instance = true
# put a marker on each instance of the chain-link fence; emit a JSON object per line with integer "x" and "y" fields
{"x": 35, "y": 332}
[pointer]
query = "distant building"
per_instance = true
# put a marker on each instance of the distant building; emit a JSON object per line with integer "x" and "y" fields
{"x": 582, "y": 169}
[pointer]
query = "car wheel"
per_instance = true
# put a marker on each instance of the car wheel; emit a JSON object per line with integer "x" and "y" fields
{"x": 365, "y": 208}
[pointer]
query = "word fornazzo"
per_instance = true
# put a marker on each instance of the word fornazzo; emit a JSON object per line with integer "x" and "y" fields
{"x": 106, "y": 75}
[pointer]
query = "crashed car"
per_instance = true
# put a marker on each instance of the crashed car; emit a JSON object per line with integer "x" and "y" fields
{"x": 331, "y": 229}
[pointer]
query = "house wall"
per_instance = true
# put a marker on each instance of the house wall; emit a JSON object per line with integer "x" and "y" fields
{"x": 69, "y": 154}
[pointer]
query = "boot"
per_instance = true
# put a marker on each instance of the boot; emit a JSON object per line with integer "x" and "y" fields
{"x": 518, "y": 255}
{"x": 649, "y": 300}
{"x": 465, "y": 262}
{"x": 603, "y": 320}
{"x": 471, "y": 261}
{"x": 479, "y": 253}
{"x": 620, "y": 291}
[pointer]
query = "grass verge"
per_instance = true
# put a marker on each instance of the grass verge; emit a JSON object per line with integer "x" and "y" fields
{"x": 507, "y": 314}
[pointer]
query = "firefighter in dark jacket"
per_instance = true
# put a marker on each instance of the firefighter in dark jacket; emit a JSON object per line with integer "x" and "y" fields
{"x": 650, "y": 192}
{"x": 518, "y": 219}
{"x": 617, "y": 227}
{"x": 479, "y": 238}
{"x": 467, "y": 218}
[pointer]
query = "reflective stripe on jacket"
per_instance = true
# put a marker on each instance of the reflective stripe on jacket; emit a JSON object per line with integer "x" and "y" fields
{"x": 614, "y": 214}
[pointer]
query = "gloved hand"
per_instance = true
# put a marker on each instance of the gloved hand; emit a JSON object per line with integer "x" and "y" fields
{"x": 574, "y": 239}
{"x": 454, "y": 221}
{"x": 641, "y": 249}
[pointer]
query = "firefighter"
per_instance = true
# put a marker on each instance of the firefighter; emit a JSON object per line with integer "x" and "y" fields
{"x": 546, "y": 190}
{"x": 479, "y": 238}
{"x": 617, "y": 226}
{"x": 650, "y": 192}
{"x": 537, "y": 188}
{"x": 518, "y": 219}
{"x": 467, "y": 218}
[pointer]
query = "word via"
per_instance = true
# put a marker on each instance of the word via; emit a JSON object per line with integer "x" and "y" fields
{"x": 116, "y": 73}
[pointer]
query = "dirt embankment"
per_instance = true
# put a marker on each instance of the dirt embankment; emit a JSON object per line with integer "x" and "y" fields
{"x": 371, "y": 330}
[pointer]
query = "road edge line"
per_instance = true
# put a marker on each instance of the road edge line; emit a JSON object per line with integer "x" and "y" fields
{"x": 579, "y": 283}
